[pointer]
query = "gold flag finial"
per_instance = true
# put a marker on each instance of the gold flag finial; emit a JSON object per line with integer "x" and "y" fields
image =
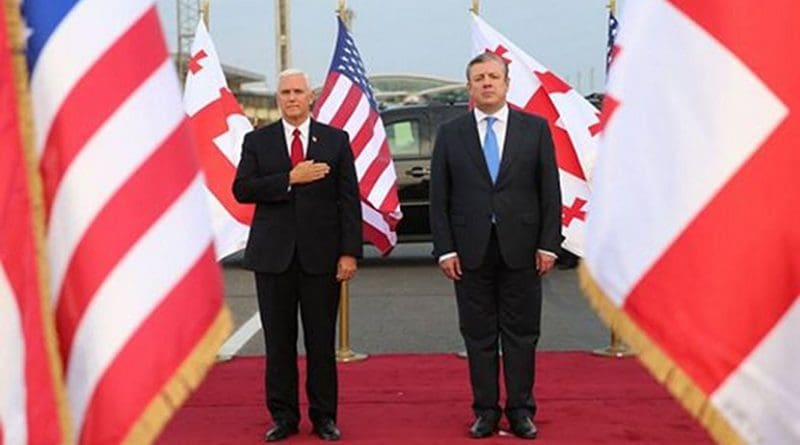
{"x": 476, "y": 6}
{"x": 204, "y": 10}
{"x": 341, "y": 9}
{"x": 345, "y": 13}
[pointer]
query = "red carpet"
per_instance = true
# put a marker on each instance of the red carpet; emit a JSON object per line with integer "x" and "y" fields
{"x": 425, "y": 399}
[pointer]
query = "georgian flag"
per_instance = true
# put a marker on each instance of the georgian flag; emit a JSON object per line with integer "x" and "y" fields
{"x": 218, "y": 125}
{"x": 693, "y": 243}
{"x": 573, "y": 122}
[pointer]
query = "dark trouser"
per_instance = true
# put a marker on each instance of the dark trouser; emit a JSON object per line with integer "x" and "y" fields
{"x": 497, "y": 302}
{"x": 318, "y": 297}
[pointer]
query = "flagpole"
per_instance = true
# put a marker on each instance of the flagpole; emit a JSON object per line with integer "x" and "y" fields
{"x": 16, "y": 40}
{"x": 344, "y": 354}
{"x": 282, "y": 35}
{"x": 616, "y": 348}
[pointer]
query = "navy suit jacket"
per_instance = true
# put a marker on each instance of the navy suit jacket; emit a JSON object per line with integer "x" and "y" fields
{"x": 318, "y": 221}
{"x": 525, "y": 202}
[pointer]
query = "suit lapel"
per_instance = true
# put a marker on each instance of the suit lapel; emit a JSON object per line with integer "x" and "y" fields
{"x": 279, "y": 136}
{"x": 312, "y": 151}
{"x": 472, "y": 145}
{"x": 512, "y": 145}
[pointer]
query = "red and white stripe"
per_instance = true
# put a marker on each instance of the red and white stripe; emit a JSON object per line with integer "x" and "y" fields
{"x": 14, "y": 388}
{"x": 31, "y": 390}
{"x": 219, "y": 126}
{"x": 344, "y": 105}
{"x": 134, "y": 279}
{"x": 694, "y": 232}
{"x": 29, "y": 409}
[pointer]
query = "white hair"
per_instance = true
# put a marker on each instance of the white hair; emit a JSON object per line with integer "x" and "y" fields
{"x": 294, "y": 72}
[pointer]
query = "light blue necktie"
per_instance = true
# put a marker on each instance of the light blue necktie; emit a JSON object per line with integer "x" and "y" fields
{"x": 491, "y": 151}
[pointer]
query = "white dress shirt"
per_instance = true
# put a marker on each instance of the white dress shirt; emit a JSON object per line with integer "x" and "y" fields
{"x": 304, "y": 128}
{"x": 288, "y": 132}
{"x": 500, "y": 125}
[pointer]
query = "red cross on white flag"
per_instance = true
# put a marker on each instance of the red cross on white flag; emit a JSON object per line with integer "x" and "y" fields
{"x": 572, "y": 120}
{"x": 219, "y": 125}
{"x": 693, "y": 244}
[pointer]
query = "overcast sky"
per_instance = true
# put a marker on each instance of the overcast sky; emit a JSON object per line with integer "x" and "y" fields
{"x": 411, "y": 36}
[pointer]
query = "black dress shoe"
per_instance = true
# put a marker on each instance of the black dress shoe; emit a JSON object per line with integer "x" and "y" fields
{"x": 524, "y": 427}
{"x": 484, "y": 426}
{"x": 280, "y": 431}
{"x": 327, "y": 430}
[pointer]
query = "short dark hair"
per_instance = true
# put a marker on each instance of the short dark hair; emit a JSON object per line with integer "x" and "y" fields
{"x": 486, "y": 57}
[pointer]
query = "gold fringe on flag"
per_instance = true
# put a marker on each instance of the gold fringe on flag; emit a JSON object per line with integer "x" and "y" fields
{"x": 663, "y": 369}
{"x": 17, "y": 41}
{"x": 187, "y": 378}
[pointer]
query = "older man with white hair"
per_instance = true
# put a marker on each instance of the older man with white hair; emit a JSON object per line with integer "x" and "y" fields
{"x": 304, "y": 239}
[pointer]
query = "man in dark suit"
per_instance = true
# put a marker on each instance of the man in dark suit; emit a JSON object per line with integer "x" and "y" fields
{"x": 304, "y": 240}
{"x": 496, "y": 222}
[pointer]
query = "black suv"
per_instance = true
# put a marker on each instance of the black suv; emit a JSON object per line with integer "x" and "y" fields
{"x": 411, "y": 131}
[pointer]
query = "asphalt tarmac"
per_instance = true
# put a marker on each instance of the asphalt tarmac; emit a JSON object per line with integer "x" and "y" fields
{"x": 403, "y": 304}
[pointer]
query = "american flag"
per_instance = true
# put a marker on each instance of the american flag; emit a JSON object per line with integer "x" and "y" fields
{"x": 347, "y": 102}
{"x": 613, "y": 28}
{"x": 136, "y": 288}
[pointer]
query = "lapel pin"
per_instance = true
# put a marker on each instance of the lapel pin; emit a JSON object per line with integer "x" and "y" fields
{"x": 313, "y": 139}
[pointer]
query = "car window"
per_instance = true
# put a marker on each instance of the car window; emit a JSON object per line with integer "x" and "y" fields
{"x": 403, "y": 138}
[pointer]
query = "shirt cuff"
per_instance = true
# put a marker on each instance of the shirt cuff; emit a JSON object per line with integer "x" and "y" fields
{"x": 447, "y": 256}
{"x": 548, "y": 253}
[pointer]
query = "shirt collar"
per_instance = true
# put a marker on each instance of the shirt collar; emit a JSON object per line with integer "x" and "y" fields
{"x": 501, "y": 114}
{"x": 303, "y": 127}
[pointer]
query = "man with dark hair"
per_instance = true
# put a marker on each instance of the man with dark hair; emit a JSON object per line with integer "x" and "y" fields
{"x": 496, "y": 222}
{"x": 304, "y": 240}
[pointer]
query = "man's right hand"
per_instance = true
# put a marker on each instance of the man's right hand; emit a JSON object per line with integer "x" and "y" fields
{"x": 451, "y": 268}
{"x": 308, "y": 171}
